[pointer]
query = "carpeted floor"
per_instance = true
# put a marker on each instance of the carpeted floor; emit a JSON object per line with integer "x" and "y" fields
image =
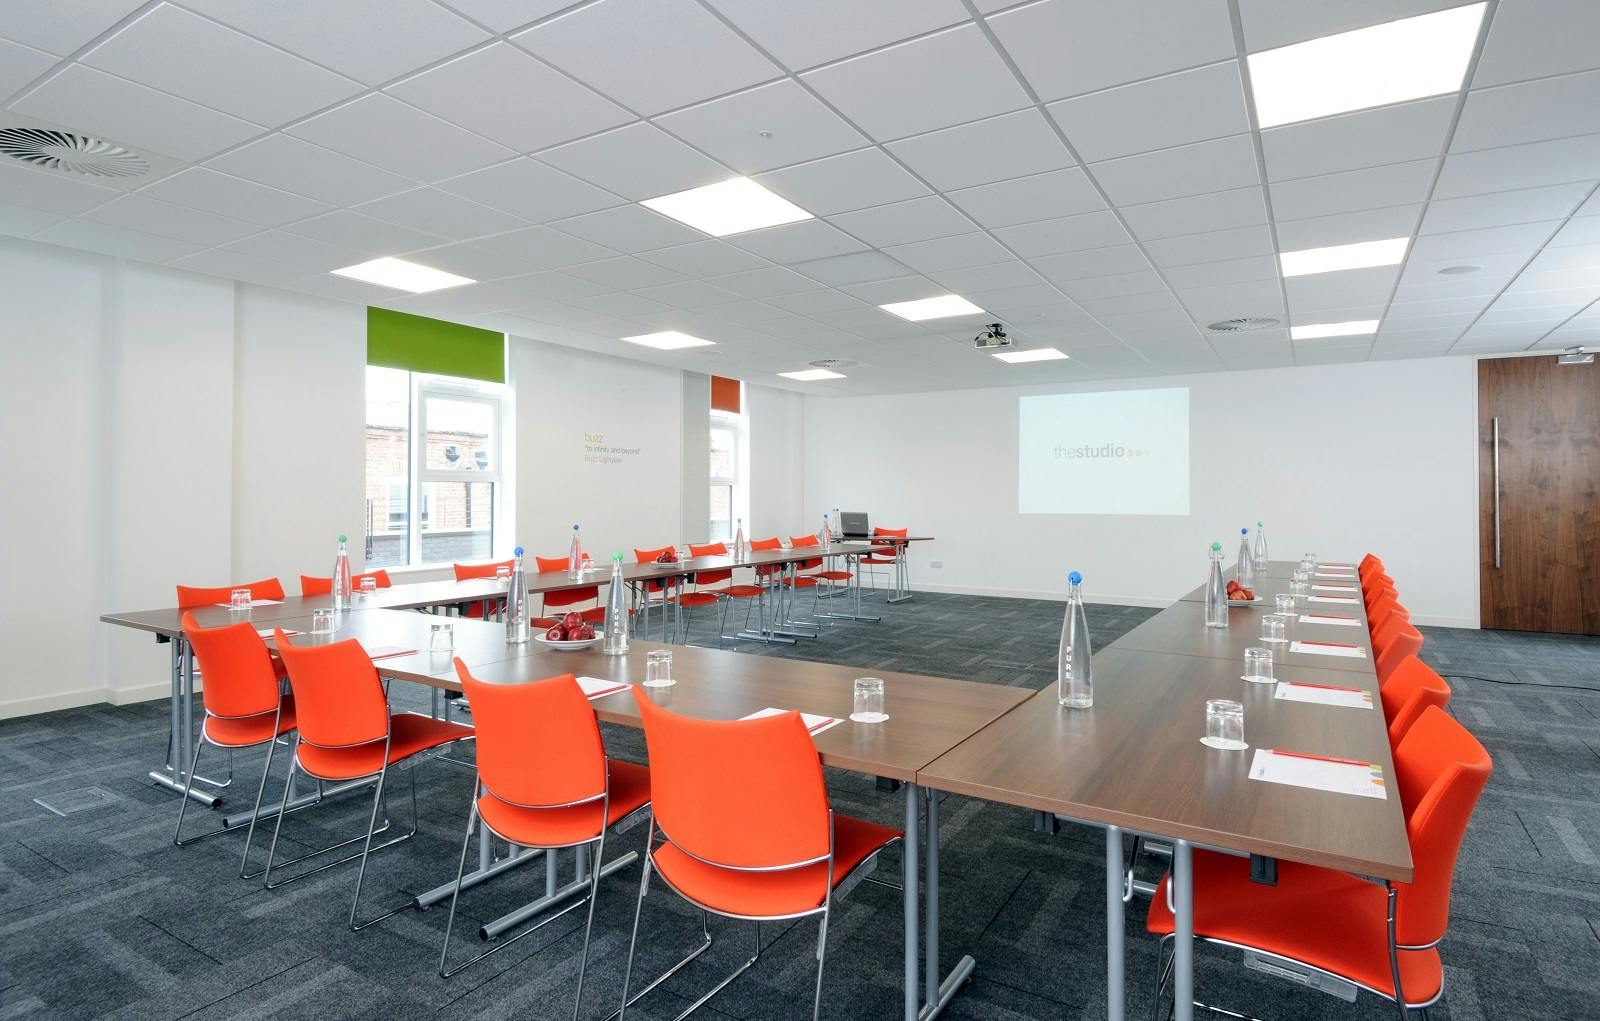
{"x": 100, "y": 916}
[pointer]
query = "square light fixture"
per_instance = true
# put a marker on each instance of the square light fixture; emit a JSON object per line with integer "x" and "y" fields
{"x": 1038, "y": 354}
{"x": 668, "y": 340}
{"x": 1362, "y": 254}
{"x": 403, "y": 275}
{"x": 811, "y": 375}
{"x": 1374, "y": 66}
{"x": 933, "y": 308}
{"x": 1316, "y": 331}
{"x": 732, "y": 207}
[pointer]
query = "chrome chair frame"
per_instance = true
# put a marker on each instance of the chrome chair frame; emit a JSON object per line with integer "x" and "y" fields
{"x": 261, "y": 788}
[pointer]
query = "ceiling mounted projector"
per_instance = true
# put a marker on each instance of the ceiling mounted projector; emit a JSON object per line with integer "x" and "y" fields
{"x": 1575, "y": 356}
{"x": 991, "y": 338}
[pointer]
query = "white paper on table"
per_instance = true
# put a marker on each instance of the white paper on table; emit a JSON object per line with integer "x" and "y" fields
{"x": 597, "y": 687}
{"x": 814, "y": 723}
{"x": 1328, "y": 649}
{"x": 1363, "y": 779}
{"x": 1347, "y": 575}
{"x": 1324, "y": 694}
{"x": 388, "y": 651}
{"x": 1331, "y": 599}
{"x": 266, "y": 632}
{"x": 254, "y": 602}
{"x": 1333, "y": 588}
{"x": 1348, "y": 567}
{"x": 1328, "y": 618}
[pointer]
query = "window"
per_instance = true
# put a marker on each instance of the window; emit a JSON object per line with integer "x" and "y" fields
{"x": 433, "y": 444}
{"x": 727, "y": 474}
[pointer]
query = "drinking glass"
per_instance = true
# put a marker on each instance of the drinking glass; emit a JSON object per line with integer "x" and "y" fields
{"x": 1309, "y": 561}
{"x": 239, "y": 599}
{"x": 869, "y": 701}
{"x": 502, "y": 573}
{"x": 658, "y": 669}
{"x": 1273, "y": 628}
{"x": 442, "y": 637}
{"x": 1284, "y": 602}
{"x": 1224, "y": 725}
{"x": 1258, "y": 665}
{"x": 1301, "y": 574}
{"x": 1299, "y": 589}
{"x": 322, "y": 622}
{"x": 369, "y": 586}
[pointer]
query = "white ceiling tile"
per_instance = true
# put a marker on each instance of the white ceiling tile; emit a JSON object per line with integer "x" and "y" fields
{"x": 1535, "y": 38}
{"x": 534, "y": 106}
{"x": 1366, "y": 138}
{"x": 1519, "y": 166}
{"x": 1225, "y": 271}
{"x": 386, "y": 132}
{"x": 748, "y": 311}
{"x": 797, "y": 242}
{"x": 1064, "y": 234}
{"x": 306, "y": 254}
{"x": 1347, "y": 228}
{"x": 689, "y": 294}
{"x": 1393, "y": 184}
{"x": 364, "y": 234}
{"x": 1068, "y": 47}
{"x": 1123, "y": 295}
{"x": 621, "y": 304}
{"x": 20, "y": 65}
{"x": 372, "y": 41}
{"x": 1212, "y": 246}
{"x": 1521, "y": 238}
{"x": 870, "y": 323}
{"x": 99, "y": 103}
{"x": 1525, "y": 205}
{"x": 1233, "y": 301}
{"x": 117, "y": 241}
{"x": 1190, "y": 106}
{"x": 1011, "y": 145}
{"x": 60, "y": 28}
{"x": 1572, "y": 300}
{"x": 305, "y": 169}
{"x": 765, "y": 283}
{"x": 1318, "y": 291}
{"x": 626, "y": 273}
{"x": 1196, "y": 214}
{"x": 49, "y": 191}
{"x": 1013, "y": 300}
{"x": 632, "y": 229}
{"x": 1584, "y": 258}
{"x": 1025, "y": 199}
{"x": 527, "y": 188}
{"x": 200, "y": 188}
{"x": 237, "y": 266}
{"x": 773, "y": 125}
{"x": 949, "y": 253}
{"x": 706, "y": 259}
{"x": 471, "y": 261}
{"x": 189, "y": 56}
{"x": 814, "y": 302}
{"x": 1590, "y": 207}
{"x": 639, "y": 162}
{"x": 993, "y": 276}
{"x": 884, "y": 292}
{"x": 838, "y": 184}
{"x": 1269, "y": 24}
{"x": 20, "y": 221}
{"x": 1546, "y": 317}
{"x": 1115, "y": 285}
{"x": 856, "y": 268}
{"x": 901, "y": 223}
{"x": 1096, "y": 262}
{"x": 437, "y": 212}
{"x": 163, "y": 219}
{"x": 1529, "y": 112}
{"x": 1582, "y": 230}
{"x": 543, "y": 248}
{"x": 1218, "y": 165}
{"x": 649, "y": 55}
{"x": 505, "y": 15}
{"x": 909, "y": 89}
{"x": 808, "y": 34}
{"x": 1493, "y": 337}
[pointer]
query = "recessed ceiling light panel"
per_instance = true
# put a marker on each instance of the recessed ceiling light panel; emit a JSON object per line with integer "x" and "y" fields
{"x": 1374, "y": 66}
{"x": 811, "y": 375}
{"x": 933, "y": 308}
{"x": 403, "y": 275}
{"x": 668, "y": 340}
{"x": 1362, "y": 254}
{"x": 732, "y": 207}
{"x": 1316, "y": 331}
{"x": 1038, "y": 354}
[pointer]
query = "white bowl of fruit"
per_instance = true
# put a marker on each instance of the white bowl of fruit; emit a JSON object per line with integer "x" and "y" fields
{"x": 667, "y": 558}
{"x": 1238, "y": 595}
{"x": 570, "y": 635}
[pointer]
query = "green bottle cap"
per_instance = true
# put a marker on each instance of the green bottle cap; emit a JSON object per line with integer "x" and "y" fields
{"x": 617, "y": 557}
{"x": 1216, "y": 545}
{"x": 1261, "y": 524}
{"x": 341, "y": 537}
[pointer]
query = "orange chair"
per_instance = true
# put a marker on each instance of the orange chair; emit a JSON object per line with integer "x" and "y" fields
{"x": 244, "y": 704}
{"x": 1369, "y": 562}
{"x": 815, "y": 572}
{"x": 191, "y": 597}
{"x": 471, "y": 572}
{"x": 1412, "y": 687}
{"x": 765, "y": 573}
{"x": 313, "y": 586}
{"x": 544, "y": 781}
{"x": 347, "y": 733}
{"x": 1382, "y": 610}
{"x": 892, "y": 559}
{"x": 1394, "y": 642}
{"x": 1383, "y": 939}
{"x": 699, "y": 595}
{"x": 562, "y": 599}
{"x": 747, "y": 832}
{"x": 657, "y": 591}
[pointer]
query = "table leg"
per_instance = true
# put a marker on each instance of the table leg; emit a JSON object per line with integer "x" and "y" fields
{"x": 1116, "y": 947}
{"x": 902, "y": 576}
{"x": 1183, "y": 941}
{"x": 937, "y": 992}
{"x": 180, "y": 742}
{"x": 908, "y": 880}
{"x": 852, "y": 594}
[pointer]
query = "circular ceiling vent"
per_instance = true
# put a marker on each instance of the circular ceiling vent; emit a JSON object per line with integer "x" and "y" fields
{"x": 71, "y": 154}
{"x": 1248, "y": 324}
{"x": 833, "y": 363}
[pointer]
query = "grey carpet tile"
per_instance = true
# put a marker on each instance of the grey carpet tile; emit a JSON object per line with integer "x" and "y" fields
{"x": 101, "y": 917}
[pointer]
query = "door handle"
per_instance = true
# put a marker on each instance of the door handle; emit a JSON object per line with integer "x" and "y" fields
{"x": 1494, "y": 424}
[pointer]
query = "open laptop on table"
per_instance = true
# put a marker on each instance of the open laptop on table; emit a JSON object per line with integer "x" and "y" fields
{"x": 853, "y": 525}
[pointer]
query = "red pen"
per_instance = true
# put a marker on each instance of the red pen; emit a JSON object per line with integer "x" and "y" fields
{"x": 1321, "y": 758}
{"x": 1325, "y": 687}
{"x": 1331, "y": 616}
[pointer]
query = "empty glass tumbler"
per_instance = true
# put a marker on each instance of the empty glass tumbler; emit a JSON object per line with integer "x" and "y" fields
{"x": 1273, "y": 628}
{"x": 239, "y": 599}
{"x": 869, "y": 701}
{"x": 1258, "y": 665}
{"x": 658, "y": 669}
{"x": 1224, "y": 725}
{"x": 322, "y": 622}
{"x": 1283, "y": 602}
{"x": 442, "y": 637}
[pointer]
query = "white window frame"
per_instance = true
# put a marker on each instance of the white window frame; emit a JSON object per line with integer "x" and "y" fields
{"x": 735, "y": 424}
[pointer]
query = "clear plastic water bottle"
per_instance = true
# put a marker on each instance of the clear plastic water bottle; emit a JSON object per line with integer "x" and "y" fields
{"x": 343, "y": 581}
{"x": 738, "y": 543}
{"x": 826, "y": 535}
{"x": 1216, "y": 591}
{"x": 1247, "y": 574}
{"x": 1261, "y": 546}
{"x": 575, "y": 554}
{"x": 1074, "y": 672}
{"x": 517, "y": 603}
{"x": 614, "y": 642}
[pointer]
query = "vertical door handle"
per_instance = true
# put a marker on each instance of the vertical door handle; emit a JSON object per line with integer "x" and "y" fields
{"x": 1495, "y": 440}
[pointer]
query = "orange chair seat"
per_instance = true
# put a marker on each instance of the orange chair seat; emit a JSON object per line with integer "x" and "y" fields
{"x": 554, "y": 827}
{"x": 878, "y": 560}
{"x": 1321, "y": 917}
{"x": 740, "y": 591}
{"x": 834, "y": 575}
{"x": 772, "y": 894}
{"x": 244, "y": 731}
{"x": 801, "y": 580}
{"x": 697, "y": 599}
{"x": 410, "y": 733}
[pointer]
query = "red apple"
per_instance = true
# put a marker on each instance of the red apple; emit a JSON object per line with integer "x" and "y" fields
{"x": 572, "y": 621}
{"x": 556, "y": 634}
{"x": 585, "y": 633}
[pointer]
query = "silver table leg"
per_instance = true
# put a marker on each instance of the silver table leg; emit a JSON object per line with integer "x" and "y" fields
{"x": 937, "y": 992}
{"x": 180, "y": 742}
{"x": 1116, "y": 949}
{"x": 1183, "y": 942}
{"x": 908, "y": 880}
{"x": 852, "y": 594}
{"x": 902, "y": 576}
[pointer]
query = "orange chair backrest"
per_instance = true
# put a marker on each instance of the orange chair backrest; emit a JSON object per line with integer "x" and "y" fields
{"x": 1368, "y": 562}
{"x": 1410, "y": 675}
{"x": 539, "y": 744}
{"x": 565, "y": 596}
{"x": 237, "y": 666}
{"x": 314, "y": 586}
{"x": 338, "y": 698}
{"x": 191, "y": 597}
{"x": 646, "y": 556}
{"x": 1440, "y": 769}
{"x": 746, "y": 794}
{"x": 466, "y": 572}
{"x": 761, "y": 545}
{"x": 1395, "y": 642}
{"x": 802, "y": 541}
{"x": 710, "y": 549}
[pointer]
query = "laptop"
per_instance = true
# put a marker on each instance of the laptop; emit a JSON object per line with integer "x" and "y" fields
{"x": 853, "y": 525}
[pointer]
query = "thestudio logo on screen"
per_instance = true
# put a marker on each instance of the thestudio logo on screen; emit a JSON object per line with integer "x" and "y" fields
{"x": 1112, "y": 452}
{"x": 1105, "y": 450}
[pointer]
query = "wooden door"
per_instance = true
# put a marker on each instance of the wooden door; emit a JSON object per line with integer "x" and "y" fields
{"x": 1539, "y": 495}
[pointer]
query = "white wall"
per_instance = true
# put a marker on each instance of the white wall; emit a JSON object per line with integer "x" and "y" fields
{"x": 1337, "y": 460}
{"x": 778, "y": 463}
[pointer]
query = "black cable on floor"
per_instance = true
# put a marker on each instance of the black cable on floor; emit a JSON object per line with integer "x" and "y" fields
{"x": 1520, "y": 684}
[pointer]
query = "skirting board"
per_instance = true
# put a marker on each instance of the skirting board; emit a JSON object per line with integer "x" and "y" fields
{"x": 50, "y": 703}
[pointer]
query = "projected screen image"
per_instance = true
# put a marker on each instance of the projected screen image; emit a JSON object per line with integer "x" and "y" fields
{"x": 1121, "y": 452}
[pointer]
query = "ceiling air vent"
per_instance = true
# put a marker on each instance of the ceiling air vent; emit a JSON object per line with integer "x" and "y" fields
{"x": 1248, "y": 324}
{"x": 68, "y": 153}
{"x": 833, "y": 363}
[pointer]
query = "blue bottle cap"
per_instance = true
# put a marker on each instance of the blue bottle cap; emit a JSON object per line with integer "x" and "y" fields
{"x": 518, "y": 551}
{"x": 1075, "y": 577}
{"x": 1244, "y": 531}
{"x": 574, "y": 526}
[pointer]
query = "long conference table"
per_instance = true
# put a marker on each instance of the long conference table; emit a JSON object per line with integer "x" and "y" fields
{"x": 1132, "y": 765}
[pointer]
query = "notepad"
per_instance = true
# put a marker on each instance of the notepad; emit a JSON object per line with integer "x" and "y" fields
{"x": 1331, "y": 599}
{"x": 1328, "y": 649}
{"x": 253, "y": 602}
{"x": 266, "y": 632}
{"x": 1333, "y": 588}
{"x": 1329, "y": 618}
{"x": 599, "y": 687}
{"x": 814, "y": 723}
{"x": 1348, "y": 576}
{"x": 388, "y": 651}
{"x": 1323, "y": 694}
{"x": 1338, "y": 776}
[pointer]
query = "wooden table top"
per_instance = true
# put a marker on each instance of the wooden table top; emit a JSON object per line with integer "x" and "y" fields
{"x": 1136, "y": 760}
{"x": 1180, "y": 629}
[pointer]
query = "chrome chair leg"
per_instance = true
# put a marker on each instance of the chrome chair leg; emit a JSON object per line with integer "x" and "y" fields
{"x": 272, "y": 848}
{"x": 822, "y": 960}
{"x": 367, "y": 848}
{"x": 188, "y": 786}
{"x": 588, "y": 925}
{"x": 261, "y": 790}
{"x": 461, "y": 868}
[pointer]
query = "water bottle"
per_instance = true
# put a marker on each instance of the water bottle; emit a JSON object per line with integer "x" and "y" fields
{"x": 575, "y": 555}
{"x": 615, "y": 640}
{"x": 1261, "y": 546}
{"x": 825, "y": 536}
{"x": 1247, "y": 574}
{"x": 738, "y": 543}
{"x": 1074, "y": 674}
{"x": 1216, "y": 591}
{"x": 343, "y": 584}
{"x": 517, "y": 603}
